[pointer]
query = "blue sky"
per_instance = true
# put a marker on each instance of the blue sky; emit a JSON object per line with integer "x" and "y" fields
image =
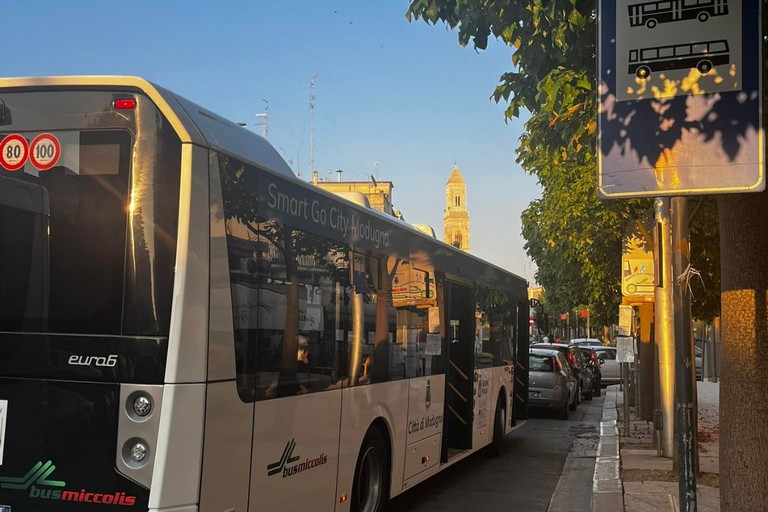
{"x": 405, "y": 95}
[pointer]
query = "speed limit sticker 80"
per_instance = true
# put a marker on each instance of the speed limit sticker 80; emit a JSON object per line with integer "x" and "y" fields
{"x": 14, "y": 151}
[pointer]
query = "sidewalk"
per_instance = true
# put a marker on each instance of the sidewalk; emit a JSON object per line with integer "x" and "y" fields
{"x": 630, "y": 476}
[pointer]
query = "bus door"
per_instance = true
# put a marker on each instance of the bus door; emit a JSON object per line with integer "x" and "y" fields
{"x": 460, "y": 331}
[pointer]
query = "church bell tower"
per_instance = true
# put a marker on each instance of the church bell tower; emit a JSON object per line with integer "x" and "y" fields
{"x": 456, "y": 216}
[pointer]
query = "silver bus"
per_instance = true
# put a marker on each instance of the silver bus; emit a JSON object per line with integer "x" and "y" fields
{"x": 187, "y": 326}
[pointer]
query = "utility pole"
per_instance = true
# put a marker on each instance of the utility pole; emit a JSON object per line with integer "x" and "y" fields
{"x": 265, "y": 117}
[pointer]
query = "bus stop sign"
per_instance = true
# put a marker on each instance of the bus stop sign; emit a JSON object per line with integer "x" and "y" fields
{"x": 680, "y": 98}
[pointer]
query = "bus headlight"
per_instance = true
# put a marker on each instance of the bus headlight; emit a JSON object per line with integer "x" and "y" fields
{"x": 136, "y": 452}
{"x": 142, "y": 405}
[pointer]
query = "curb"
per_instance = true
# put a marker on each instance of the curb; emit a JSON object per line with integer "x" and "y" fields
{"x": 607, "y": 487}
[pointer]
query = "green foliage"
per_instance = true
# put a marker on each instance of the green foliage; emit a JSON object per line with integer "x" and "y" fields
{"x": 574, "y": 238}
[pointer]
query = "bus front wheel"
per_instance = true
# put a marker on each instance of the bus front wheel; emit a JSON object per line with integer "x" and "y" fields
{"x": 370, "y": 491}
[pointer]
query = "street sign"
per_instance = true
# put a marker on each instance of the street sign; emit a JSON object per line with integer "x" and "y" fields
{"x": 681, "y": 98}
{"x": 638, "y": 279}
{"x": 625, "y": 352}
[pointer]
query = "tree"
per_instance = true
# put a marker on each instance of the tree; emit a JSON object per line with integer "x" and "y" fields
{"x": 572, "y": 236}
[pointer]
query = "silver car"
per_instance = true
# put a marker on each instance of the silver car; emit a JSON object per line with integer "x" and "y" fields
{"x": 551, "y": 383}
{"x": 609, "y": 367}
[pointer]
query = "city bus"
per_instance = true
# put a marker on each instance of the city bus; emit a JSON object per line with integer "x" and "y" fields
{"x": 667, "y": 11}
{"x": 702, "y": 55}
{"x": 187, "y": 326}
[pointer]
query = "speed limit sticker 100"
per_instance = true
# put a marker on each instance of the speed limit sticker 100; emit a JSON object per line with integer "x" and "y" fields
{"x": 13, "y": 152}
{"x": 44, "y": 151}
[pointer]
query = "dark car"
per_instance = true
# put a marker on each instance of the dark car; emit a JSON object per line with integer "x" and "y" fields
{"x": 579, "y": 366}
{"x": 590, "y": 354}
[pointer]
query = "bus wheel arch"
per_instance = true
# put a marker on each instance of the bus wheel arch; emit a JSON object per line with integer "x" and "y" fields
{"x": 371, "y": 483}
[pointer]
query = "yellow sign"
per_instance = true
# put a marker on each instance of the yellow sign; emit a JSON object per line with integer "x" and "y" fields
{"x": 637, "y": 270}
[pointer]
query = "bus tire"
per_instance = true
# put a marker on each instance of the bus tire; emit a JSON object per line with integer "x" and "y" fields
{"x": 650, "y": 23}
{"x": 370, "y": 489}
{"x": 703, "y": 16}
{"x": 643, "y": 72}
{"x": 499, "y": 422}
{"x": 704, "y": 66}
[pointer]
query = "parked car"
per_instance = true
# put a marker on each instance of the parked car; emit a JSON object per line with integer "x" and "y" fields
{"x": 609, "y": 367}
{"x": 586, "y": 341}
{"x": 579, "y": 367}
{"x": 698, "y": 354}
{"x": 551, "y": 383}
{"x": 593, "y": 362}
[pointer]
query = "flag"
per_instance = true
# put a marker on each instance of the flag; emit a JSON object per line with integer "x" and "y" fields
{"x": 584, "y": 313}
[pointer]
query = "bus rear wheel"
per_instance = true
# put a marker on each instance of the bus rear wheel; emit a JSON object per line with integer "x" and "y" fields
{"x": 704, "y": 67}
{"x": 499, "y": 428}
{"x": 370, "y": 491}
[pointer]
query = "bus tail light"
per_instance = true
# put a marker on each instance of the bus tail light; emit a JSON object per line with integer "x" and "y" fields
{"x": 124, "y": 103}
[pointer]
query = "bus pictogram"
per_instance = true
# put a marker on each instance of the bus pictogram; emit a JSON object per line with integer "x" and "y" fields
{"x": 666, "y": 11}
{"x": 702, "y": 55}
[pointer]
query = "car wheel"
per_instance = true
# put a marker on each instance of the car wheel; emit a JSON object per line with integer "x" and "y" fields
{"x": 370, "y": 491}
{"x": 563, "y": 412}
{"x": 577, "y": 400}
{"x": 588, "y": 394}
{"x": 598, "y": 388}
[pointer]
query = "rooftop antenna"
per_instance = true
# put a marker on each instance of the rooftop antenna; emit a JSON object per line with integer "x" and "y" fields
{"x": 373, "y": 180}
{"x": 312, "y": 84}
{"x": 376, "y": 165}
{"x": 265, "y": 117}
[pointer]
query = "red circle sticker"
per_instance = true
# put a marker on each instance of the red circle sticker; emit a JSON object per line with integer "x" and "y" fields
{"x": 44, "y": 151}
{"x": 13, "y": 152}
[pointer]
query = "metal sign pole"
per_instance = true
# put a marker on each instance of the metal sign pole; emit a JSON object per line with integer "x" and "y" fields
{"x": 684, "y": 361}
{"x": 664, "y": 328}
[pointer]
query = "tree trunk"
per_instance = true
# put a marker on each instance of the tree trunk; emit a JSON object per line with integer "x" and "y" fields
{"x": 744, "y": 384}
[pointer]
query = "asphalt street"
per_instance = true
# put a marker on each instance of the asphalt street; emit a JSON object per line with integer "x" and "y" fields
{"x": 527, "y": 476}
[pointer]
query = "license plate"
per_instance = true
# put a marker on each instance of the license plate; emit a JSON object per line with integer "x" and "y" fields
{"x": 531, "y": 394}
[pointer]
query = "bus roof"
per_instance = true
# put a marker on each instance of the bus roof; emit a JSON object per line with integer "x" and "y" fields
{"x": 193, "y": 123}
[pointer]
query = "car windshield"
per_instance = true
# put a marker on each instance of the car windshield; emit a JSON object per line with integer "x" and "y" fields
{"x": 540, "y": 363}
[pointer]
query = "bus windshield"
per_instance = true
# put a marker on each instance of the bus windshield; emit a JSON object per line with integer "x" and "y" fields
{"x": 75, "y": 253}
